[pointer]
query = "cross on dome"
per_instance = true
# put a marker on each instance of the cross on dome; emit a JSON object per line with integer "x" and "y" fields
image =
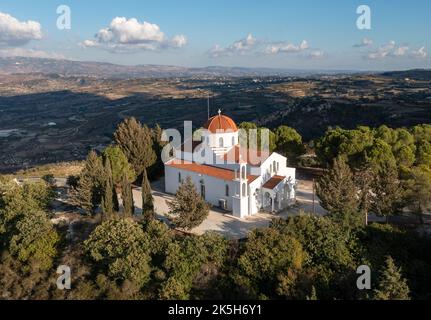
{"x": 220, "y": 123}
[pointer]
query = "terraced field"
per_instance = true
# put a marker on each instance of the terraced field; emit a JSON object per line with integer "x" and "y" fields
{"x": 53, "y": 118}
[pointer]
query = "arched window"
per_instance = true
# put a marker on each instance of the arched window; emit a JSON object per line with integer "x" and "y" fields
{"x": 221, "y": 142}
{"x": 243, "y": 173}
{"x": 275, "y": 166}
{"x": 270, "y": 168}
{"x": 244, "y": 190}
{"x": 233, "y": 141}
{"x": 227, "y": 190}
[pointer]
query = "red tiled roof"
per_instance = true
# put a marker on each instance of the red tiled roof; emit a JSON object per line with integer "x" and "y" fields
{"x": 273, "y": 182}
{"x": 221, "y": 123}
{"x": 220, "y": 173}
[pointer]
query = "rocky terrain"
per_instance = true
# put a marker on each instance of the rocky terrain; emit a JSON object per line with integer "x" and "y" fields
{"x": 52, "y": 117}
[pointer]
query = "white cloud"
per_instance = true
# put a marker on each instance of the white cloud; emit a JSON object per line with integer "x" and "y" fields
{"x": 366, "y": 42}
{"x": 401, "y": 51}
{"x": 216, "y": 51}
{"x": 384, "y": 51}
{"x": 420, "y": 53}
{"x": 316, "y": 54}
{"x": 179, "y": 41}
{"x": 124, "y": 34}
{"x": 31, "y": 53}
{"x": 88, "y": 44}
{"x": 240, "y": 46}
{"x": 244, "y": 44}
{"x": 251, "y": 44}
{"x": 286, "y": 47}
{"x": 16, "y": 33}
{"x": 391, "y": 50}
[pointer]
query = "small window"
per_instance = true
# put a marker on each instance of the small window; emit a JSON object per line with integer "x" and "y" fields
{"x": 278, "y": 166}
{"x": 233, "y": 141}
{"x": 270, "y": 168}
{"x": 221, "y": 143}
{"x": 227, "y": 191}
{"x": 275, "y": 166}
{"x": 244, "y": 190}
{"x": 180, "y": 180}
{"x": 243, "y": 173}
{"x": 203, "y": 191}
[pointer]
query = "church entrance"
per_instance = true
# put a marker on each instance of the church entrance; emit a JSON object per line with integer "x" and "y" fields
{"x": 267, "y": 202}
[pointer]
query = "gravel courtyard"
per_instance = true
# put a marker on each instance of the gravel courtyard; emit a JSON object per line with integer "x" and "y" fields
{"x": 228, "y": 225}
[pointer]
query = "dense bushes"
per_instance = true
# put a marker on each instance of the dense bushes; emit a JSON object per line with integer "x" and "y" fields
{"x": 303, "y": 257}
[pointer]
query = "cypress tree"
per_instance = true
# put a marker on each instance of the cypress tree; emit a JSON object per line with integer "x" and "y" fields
{"x": 95, "y": 172}
{"x": 337, "y": 192}
{"x": 108, "y": 196}
{"x": 388, "y": 193}
{"x": 391, "y": 284}
{"x": 188, "y": 206}
{"x": 119, "y": 164}
{"x": 147, "y": 198}
{"x": 127, "y": 196}
{"x": 82, "y": 195}
{"x": 90, "y": 187}
{"x": 157, "y": 168}
{"x": 136, "y": 141}
{"x": 115, "y": 200}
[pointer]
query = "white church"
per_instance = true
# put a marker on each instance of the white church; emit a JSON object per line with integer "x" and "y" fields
{"x": 234, "y": 179}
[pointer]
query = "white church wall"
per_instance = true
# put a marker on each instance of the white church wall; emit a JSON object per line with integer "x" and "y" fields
{"x": 215, "y": 189}
{"x": 255, "y": 196}
{"x": 267, "y": 169}
{"x": 229, "y": 139}
{"x": 240, "y": 207}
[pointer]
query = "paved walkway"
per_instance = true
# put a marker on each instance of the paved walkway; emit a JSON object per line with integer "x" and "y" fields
{"x": 225, "y": 224}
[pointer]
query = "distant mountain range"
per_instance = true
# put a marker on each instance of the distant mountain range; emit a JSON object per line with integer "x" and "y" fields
{"x": 11, "y": 65}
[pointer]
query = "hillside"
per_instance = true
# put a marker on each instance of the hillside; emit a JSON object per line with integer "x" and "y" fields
{"x": 416, "y": 74}
{"x": 22, "y": 65}
{"x": 48, "y": 118}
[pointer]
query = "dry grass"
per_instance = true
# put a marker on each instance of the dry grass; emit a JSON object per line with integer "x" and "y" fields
{"x": 296, "y": 89}
{"x": 59, "y": 170}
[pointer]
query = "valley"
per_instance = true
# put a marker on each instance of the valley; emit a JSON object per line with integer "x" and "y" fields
{"x": 49, "y": 118}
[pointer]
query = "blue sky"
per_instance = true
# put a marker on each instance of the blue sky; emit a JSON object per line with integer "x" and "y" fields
{"x": 305, "y": 34}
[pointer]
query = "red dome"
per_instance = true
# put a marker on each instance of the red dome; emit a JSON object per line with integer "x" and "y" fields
{"x": 221, "y": 123}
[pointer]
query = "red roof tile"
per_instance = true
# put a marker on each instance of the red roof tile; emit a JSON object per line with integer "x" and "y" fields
{"x": 273, "y": 182}
{"x": 220, "y": 173}
{"x": 221, "y": 123}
